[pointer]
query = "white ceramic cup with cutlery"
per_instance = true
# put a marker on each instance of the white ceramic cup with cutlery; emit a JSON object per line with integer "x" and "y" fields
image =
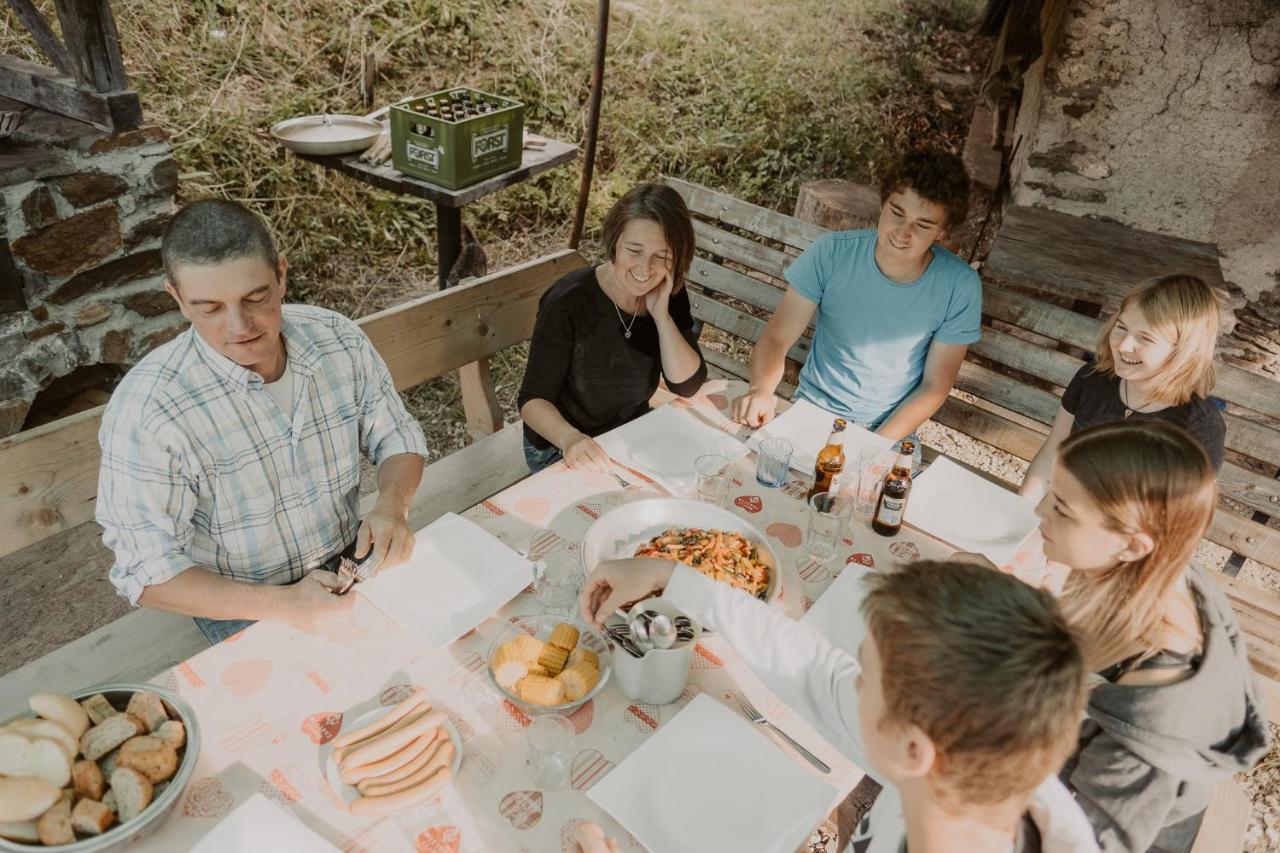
{"x": 661, "y": 675}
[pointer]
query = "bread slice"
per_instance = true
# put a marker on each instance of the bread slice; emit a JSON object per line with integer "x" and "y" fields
{"x": 133, "y": 793}
{"x": 62, "y": 709}
{"x": 109, "y": 800}
{"x": 25, "y": 797}
{"x": 97, "y": 708}
{"x": 149, "y": 755}
{"x": 91, "y": 817}
{"x": 87, "y": 778}
{"x": 109, "y": 734}
{"x": 149, "y": 708}
{"x": 173, "y": 733}
{"x": 54, "y": 731}
{"x": 26, "y": 756}
{"x": 54, "y": 825}
{"x": 20, "y": 830}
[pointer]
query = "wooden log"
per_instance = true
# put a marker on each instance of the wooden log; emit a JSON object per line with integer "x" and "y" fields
{"x": 838, "y": 205}
{"x": 44, "y": 37}
{"x": 89, "y": 30}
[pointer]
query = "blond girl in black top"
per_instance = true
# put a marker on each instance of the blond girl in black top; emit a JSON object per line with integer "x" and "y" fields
{"x": 605, "y": 334}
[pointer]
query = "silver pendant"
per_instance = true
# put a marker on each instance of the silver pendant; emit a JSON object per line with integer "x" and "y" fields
{"x": 627, "y": 335}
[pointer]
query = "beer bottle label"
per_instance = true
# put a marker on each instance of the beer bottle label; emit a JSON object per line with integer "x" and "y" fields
{"x": 836, "y": 479}
{"x": 891, "y": 511}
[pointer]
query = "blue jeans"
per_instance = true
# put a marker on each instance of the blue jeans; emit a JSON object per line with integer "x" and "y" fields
{"x": 539, "y": 458}
{"x": 217, "y": 630}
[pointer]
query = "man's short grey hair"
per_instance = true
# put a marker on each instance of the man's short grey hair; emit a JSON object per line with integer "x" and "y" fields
{"x": 213, "y": 230}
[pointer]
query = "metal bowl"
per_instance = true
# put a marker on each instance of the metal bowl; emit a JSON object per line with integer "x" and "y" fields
{"x": 619, "y": 532}
{"x": 540, "y": 627}
{"x": 126, "y": 834}
{"x": 328, "y": 134}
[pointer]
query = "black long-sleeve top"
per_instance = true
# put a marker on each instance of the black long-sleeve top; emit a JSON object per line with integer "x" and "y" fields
{"x": 581, "y": 361}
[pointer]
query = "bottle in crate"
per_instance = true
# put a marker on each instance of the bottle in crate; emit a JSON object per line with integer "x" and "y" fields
{"x": 456, "y": 137}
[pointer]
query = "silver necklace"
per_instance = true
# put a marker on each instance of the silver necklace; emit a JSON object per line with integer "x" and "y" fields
{"x": 626, "y": 328}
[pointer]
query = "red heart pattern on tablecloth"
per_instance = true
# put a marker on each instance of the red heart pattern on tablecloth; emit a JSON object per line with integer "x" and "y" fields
{"x": 465, "y": 730}
{"x": 643, "y": 716}
{"x": 545, "y": 542}
{"x": 590, "y": 511}
{"x": 812, "y": 571}
{"x": 703, "y": 658}
{"x": 489, "y": 509}
{"x": 250, "y": 731}
{"x": 523, "y": 809}
{"x": 321, "y": 683}
{"x": 589, "y": 767}
{"x": 439, "y": 839}
{"x": 246, "y": 677}
{"x": 189, "y": 675}
{"x": 322, "y": 727}
{"x": 207, "y": 798}
{"x": 905, "y": 551}
{"x": 750, "y": 503}
{"x": 861, "y": 560}
{"x": 848, "y": 543}
{"x": 788, "y": 534}
{"x": 394, "y": 695}
{"x": 469, "y": 666}
{"x": 532, "y": 509}
{"x": 511, "y": 718}
{"x": 278, "y": 787}
{"x": 583, "y": 715}
{"x": 797, "y": 488}
{"x": 481, "y": 764}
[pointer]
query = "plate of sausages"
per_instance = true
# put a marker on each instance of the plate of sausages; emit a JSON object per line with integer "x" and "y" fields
{"x": 391, "y": 760}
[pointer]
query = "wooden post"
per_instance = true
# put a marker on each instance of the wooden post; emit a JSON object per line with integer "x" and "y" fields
{"x": 93, "y": 44}
{"x": 44, "y": 36}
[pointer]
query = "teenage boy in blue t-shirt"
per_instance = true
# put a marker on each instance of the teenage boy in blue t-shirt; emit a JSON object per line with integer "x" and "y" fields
{"x": 896, "y": 311}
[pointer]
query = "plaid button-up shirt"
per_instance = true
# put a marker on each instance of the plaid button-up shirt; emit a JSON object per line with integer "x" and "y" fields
{"x": 201, "y": 468}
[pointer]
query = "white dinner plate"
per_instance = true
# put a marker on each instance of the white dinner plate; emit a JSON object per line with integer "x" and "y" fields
{"x": 329, "y": 767}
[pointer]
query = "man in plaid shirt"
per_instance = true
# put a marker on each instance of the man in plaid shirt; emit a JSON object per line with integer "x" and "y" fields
{"x": 231, "y": 455}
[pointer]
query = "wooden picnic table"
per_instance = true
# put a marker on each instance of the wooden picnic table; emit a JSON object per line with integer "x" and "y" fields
{"x": 267, "y": 698}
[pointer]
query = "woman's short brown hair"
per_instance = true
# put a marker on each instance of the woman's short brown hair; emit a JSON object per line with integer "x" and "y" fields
{"x": 936, "y": 176}
{"x": 661, "y": 204}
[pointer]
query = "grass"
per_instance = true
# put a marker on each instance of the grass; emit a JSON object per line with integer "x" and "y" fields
{"x": 753, "y": 104}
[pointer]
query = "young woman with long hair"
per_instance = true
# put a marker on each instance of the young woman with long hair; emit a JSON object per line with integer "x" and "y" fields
{"x": 1154, "y": 362}
{"x": 1175, "y": 708}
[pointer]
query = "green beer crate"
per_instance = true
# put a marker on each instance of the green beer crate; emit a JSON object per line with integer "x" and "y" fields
{"x": 456, "y": 137}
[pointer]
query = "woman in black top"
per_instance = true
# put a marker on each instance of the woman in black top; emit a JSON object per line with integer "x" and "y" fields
{"x": 1154, "y": 361}
{"x": 604, "y": 334}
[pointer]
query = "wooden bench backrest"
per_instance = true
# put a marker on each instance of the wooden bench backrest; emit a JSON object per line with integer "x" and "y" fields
{"x": 49, "y": 475}
{"x": 738, "y": 278}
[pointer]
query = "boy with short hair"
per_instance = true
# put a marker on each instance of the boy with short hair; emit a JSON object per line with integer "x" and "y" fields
{"x": 896, "y": 312}
{"x": 964, "y": 701}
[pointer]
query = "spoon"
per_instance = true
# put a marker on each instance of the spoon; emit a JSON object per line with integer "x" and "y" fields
{"x": 662, "y": 633}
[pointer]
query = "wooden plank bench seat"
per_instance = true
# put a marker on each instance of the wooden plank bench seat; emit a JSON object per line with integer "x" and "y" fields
{"x": 51, "y": 554}
{"x": 1009, "y": 387}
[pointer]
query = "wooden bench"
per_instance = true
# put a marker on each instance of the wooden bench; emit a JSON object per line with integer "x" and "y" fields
{"x": 1009, "y": 387}
{"x": 51, "y": 550}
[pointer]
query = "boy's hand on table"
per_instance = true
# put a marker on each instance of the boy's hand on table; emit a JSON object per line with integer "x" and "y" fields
{"x": 754, "y": 408}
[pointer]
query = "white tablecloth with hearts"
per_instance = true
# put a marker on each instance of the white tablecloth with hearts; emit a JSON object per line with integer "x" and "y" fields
{"x": 268, "y": 697}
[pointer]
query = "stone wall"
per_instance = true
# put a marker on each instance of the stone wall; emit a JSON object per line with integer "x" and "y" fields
{"x": 83, "y": 214}
{"x": 1165, "y": 115}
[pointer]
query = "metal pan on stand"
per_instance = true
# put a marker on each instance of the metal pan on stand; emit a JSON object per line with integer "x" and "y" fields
{"x": 330, "y": 133}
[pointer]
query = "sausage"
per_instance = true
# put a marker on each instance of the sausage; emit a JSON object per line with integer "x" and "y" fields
{"x": 419, "y": 752}
{"x": 351, "y": 775}
{"x": 441, "y": 756}
{"x": 402, "y": 800}
{"x": 340, "y": 755}
{"x": 413, "y": 700}
{"x": 392, "y": 742}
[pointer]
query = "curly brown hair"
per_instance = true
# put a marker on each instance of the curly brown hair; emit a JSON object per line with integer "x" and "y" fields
{"x": 936, "y": 175}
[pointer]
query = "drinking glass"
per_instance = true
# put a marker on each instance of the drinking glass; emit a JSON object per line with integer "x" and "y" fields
{"x": 550, "y": 750}
{"x": 773, "y": 460}
{"x": 712, "y": 471}
{"x": 828, "y": 516}
{"x": 557, "y": 583}
{"x": 873, "y": 465}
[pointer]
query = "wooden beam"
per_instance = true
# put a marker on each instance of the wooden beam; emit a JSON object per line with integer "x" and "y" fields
{"x": 44, "y": 36}
{"x": 43, "y": 87}
{"x": 742, "y": 250}
{"x": 49, "y": 475}
{"x": 89, "y": 30}
{"x": 750, "y": 217}
{"x": 479, "y": 399}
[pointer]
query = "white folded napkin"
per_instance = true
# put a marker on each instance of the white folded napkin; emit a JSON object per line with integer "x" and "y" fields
{"x": 258, "y": 824}
{"x": 457, "y": 577}
{"x": 807, "y": 427}
{"x": 666, "y": 443}
{"x": 837, "y": 613}
{"x": 708, "y": 780}
{"x": 968, "y": 512}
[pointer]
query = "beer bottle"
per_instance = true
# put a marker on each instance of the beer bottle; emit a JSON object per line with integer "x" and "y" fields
{"x": 830, "y": 464}
{"x": 892, "y": 503}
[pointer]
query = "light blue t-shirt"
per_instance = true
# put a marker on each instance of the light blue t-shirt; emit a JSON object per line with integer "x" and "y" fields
{"x": 872, "y": 334}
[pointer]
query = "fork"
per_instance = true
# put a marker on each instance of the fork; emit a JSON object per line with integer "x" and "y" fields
{"x": 756, "y": 717}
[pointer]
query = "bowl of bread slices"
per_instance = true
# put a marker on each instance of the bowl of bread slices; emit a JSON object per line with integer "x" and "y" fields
{"x": 95, "y": 770}
{"x": 549, "y": 664}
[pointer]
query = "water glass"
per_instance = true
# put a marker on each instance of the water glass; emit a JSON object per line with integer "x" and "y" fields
{"x": 873, "y": 465}
{"x": 773, "y": 460}
{"x": 712, "y": 471}
{"x": 550, "y": 750}
{"x": 557, "y": 584}
{"x": 828, "y": 517}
